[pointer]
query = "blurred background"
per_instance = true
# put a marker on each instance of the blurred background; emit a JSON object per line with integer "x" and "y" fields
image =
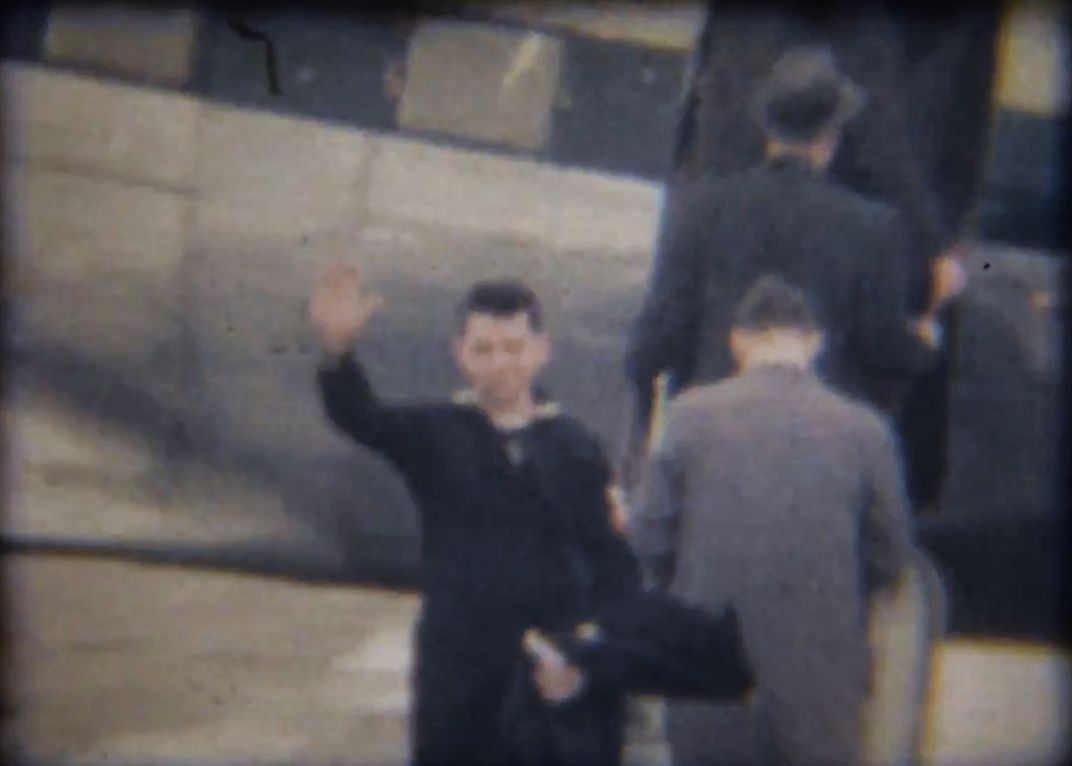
{"x": 172, "y": 177}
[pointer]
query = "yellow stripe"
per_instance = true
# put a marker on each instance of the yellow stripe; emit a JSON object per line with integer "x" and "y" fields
{"x": 672, "y": 27}
{"x": 1033, "y": 60}
{"x": 1006, "y": 646}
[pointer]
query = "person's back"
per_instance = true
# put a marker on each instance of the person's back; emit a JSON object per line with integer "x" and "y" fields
{"x": 847, "y": 252}
{"x": 513, "y": 500}
{"x": 786, "y": 218}
{"x": 771, "y": 493}
{"x": 772, "y": 508}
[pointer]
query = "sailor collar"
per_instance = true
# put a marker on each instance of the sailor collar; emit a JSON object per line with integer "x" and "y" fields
{"x": 545, "y": 409}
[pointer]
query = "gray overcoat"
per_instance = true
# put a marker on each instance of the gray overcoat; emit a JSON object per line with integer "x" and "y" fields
{"x": 773, "y": 493}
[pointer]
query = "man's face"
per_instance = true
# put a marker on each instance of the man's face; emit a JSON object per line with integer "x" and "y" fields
{"x": 500, "y": 356}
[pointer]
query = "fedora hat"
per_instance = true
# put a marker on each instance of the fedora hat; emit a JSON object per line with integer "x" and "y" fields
{"x": 805, "y": 95}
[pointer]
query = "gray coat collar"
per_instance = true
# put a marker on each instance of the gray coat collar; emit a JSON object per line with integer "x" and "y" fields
{"x": 779, "y": 369}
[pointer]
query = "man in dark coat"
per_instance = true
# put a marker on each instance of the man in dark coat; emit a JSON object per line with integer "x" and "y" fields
{"x": 513, "y": 502}
{"x": 877, "y": 155}
{"x": 918, "y": 144}
{"x": 776, "y": 495}
{"x": 847, "y": 252}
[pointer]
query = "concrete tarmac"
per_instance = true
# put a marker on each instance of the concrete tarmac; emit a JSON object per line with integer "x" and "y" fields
{"x": 128, "y": 663}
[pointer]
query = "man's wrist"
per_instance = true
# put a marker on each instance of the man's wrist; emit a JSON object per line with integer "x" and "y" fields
{"x": 929, "y": 330}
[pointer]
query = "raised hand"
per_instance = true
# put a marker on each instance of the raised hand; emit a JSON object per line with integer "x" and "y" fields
{"x": 340, "y": 307}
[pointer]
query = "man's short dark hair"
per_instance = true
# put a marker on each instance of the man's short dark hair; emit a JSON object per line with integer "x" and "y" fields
{"x": 502, "y": 298}
{"x": 771, "y": 303}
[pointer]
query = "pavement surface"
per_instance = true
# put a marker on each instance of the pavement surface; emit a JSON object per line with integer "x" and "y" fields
{"x": 128, "y": 663}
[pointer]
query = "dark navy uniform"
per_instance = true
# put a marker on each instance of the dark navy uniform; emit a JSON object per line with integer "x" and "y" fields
{"x": 515, "y": 533}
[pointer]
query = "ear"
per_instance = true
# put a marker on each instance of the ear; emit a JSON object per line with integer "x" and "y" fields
{"x": 457, "y": 348}
{"x": 543, "y": 348}
{"x": 738, "y": 344}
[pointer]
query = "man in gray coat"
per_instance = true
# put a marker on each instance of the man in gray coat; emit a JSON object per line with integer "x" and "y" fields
{"x": 772, "y": 493}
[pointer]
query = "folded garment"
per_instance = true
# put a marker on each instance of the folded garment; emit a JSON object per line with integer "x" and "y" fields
{"x": 644, "y": 644}
{"x": 653, "y": 644}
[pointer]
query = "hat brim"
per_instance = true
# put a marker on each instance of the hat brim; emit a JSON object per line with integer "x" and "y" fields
{"x": 848, "y": 100}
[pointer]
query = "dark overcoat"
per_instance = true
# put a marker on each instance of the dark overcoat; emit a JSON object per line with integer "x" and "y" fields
{"x": 878, "y": 155}
{"x": 846, "y": 252}
{"x": 918, "y": 144}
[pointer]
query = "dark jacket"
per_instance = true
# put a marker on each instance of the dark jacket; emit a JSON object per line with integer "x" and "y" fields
{"x": 844, "y": 251}
{"x": 950, "y": 55}
{"x": 919, "y": 143}
{"x": 515, "y": 533}
{"x": 879, "y": 155}
{"x": 496, "y": 538}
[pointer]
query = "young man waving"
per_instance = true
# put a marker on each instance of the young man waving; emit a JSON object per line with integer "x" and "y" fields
{"x": 513, "y": 498}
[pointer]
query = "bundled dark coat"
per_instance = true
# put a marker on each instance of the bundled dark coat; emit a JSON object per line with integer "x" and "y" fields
{"x": 654, "y": 644}
{"x": 515, "y": 533}
{"x": 844, "y": 251}
{"x": 644, "y": 644}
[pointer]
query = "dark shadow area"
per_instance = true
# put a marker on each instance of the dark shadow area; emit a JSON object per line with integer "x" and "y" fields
{"x": 387, "y": 563}
{"x": 1004, "y": 578}
{"x": 1005, "y": 430}
{"x": 617, "y": 107}
{"x": 1000, "y": 539}
{"x": 1021, "y": 196}
{"x": 24, "y": 30}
